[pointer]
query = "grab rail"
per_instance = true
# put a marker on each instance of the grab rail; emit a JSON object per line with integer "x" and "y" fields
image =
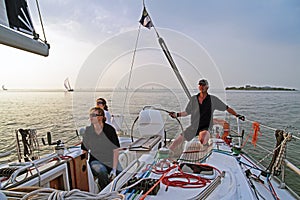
{"x": 292, "y": 166}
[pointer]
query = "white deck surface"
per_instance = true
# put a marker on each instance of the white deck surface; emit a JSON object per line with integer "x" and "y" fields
{"x": 234, "y": 185}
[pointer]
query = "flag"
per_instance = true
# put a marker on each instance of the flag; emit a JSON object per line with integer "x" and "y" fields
{"x": 146, "y": 20}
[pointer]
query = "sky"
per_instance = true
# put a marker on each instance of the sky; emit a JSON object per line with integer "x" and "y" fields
{"x": 249, "y": 42}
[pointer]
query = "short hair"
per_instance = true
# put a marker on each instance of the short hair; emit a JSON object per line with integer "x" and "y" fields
{"x": 100, "y": 111}
{"x": 203, "y": 82}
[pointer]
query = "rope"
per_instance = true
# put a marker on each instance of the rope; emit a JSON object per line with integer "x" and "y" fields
{"x": 273, "y": 129}
{"x": 279, "y": 159}
{"x": 272, "y": 189}
{"x": 38, "y": 173}
{"x": 256, "y": 129}
{"x": 52, "y": 194}
{"x": 40, "y": 16}
{"x": 247, "y": 138}
{"x": 34, "y": 143}
{"x": 172, "y": 180}
{"x": 261, "y": 160}
{"x": 199, "y": 182}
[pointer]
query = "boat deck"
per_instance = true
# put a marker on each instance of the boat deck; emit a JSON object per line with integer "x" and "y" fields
{"x": 227, "y": 181}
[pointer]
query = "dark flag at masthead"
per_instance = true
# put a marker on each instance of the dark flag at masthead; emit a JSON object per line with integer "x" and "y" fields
{"x": 146, "y": 20}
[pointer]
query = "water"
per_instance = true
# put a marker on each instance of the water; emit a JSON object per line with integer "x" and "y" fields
{"x": 62, "y": 113}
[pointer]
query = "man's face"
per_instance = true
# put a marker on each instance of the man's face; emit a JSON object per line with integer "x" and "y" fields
{"x": 95, "y": 117}
{"x": 203, "y": 88}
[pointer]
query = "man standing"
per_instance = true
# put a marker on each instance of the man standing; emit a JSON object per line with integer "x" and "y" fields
{"x": 201, "y": 108}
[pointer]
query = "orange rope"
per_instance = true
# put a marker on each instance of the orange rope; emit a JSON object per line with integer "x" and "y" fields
{"x": 256, "y": 130}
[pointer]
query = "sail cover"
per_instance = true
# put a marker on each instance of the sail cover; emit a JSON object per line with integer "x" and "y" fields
{"x": 18, "y": 16}
{"x": 15, "y": 20}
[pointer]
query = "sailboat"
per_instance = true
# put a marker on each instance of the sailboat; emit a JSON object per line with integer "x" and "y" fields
{"x": 218, "y": 171}
{"x": 16, "y": 28}
{"x": 67, "y": 85}
{"x": 3, "y": 88}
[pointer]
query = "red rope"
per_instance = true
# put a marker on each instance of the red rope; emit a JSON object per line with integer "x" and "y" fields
{"x": 160, "y": 179}
{"x": 189, "y": 183}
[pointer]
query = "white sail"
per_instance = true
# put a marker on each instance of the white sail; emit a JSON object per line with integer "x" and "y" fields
{"x": 67, "y": 85}
{"x": 16, "y": 28}
{"x": 3, "y": 87}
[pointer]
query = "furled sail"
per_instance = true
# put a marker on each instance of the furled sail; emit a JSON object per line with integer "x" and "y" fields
{"x": 16, "y": 28}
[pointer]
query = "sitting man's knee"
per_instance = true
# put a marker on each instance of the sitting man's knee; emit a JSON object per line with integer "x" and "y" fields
{"x": 204, "y": 136}
{"x": 97, "y": 167}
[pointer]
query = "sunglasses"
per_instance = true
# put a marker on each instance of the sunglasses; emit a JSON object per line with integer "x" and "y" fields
{"x": 95, "y": 115}
{"x": 100, "y": 102}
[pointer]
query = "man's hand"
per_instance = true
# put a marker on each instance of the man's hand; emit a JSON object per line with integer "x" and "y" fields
{"x": 113, "y": 174}
{"x": 241, "y": 117}
{"x": 173, "y": 114}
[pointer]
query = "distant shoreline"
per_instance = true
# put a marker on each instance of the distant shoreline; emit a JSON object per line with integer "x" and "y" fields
{"x": 253, "y": 88}
{"x": 250, "y": 87}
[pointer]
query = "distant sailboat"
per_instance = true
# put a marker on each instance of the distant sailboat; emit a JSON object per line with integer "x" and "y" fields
{"x": 68, "y": 86}
{"x": 3, "y": 87}
{"x": 16, "y": 28}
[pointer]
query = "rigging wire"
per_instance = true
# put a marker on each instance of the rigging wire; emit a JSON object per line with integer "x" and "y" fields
{"x": 42, "y": 25}
{"x": 268, "y": 127}
{"x": 131, "y": 69}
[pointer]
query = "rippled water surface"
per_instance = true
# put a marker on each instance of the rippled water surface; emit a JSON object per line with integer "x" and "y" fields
{"x": 62, "y": 113}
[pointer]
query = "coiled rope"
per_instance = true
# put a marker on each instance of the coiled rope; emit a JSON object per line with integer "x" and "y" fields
{"x": 279, "y": 160}
{"x": 52, "y": 194}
